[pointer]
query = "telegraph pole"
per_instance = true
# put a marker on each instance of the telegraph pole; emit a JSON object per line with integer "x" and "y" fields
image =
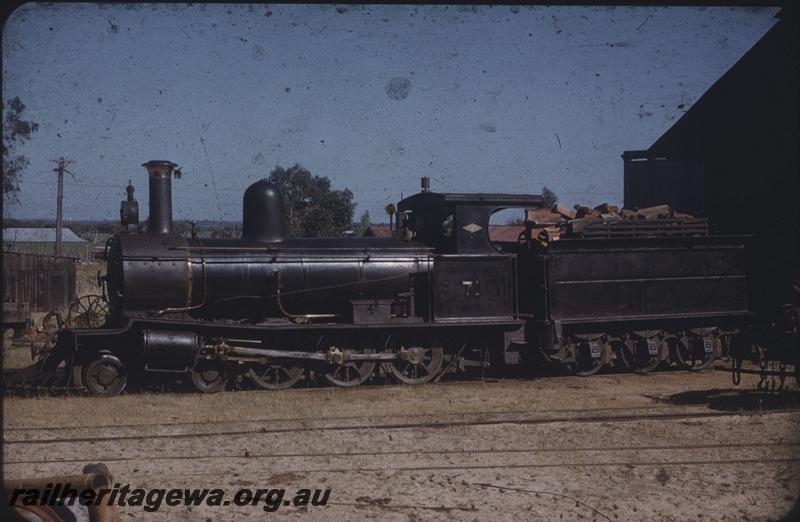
{"x": 61, "y": 169}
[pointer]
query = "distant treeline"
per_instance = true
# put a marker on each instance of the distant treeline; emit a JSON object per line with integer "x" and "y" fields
{"x": 91, "y": 230}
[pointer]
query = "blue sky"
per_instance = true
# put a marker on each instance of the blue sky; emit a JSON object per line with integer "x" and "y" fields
{"x": 479, "y": 98}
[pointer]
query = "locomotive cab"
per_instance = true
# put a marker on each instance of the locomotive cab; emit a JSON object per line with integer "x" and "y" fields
{"x": 456, "y": 223}
{"x": 471, "y": 279}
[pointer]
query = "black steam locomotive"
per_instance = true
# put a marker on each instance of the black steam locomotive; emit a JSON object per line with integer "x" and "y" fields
{"x": 437, "y": 297}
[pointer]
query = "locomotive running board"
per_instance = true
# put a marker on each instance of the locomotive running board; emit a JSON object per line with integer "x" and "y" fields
{"x": 439, "y": 324}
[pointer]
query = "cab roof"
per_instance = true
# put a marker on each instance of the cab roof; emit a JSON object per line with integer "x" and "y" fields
{"x": 427, "y": 199}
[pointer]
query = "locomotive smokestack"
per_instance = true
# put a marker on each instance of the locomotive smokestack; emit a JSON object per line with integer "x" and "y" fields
{"x": 264, "y": 218}
{"x": 425, "y": 183}
{"x": 159, "y": 222}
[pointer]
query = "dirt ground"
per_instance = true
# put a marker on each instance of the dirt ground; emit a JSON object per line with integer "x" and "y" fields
{"x": 667, "y": 446}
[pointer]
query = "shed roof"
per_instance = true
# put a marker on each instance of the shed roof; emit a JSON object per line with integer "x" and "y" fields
{"x": 39, "y": 235}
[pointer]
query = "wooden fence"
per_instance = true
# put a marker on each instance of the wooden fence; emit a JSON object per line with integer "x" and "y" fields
{"x": 46, "y": 282}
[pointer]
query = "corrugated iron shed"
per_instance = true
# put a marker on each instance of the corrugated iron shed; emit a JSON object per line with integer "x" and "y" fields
{"x": 39, "y": 235}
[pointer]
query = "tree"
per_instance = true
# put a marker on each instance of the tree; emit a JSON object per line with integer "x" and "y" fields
{"x": 549, "y": 197}
{"x": 312, "y": 207}
{"x": 16, "y": 131}
{"x": 364, "y": 222}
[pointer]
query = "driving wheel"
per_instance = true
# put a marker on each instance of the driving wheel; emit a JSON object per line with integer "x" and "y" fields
{"x": 420, "y": 364}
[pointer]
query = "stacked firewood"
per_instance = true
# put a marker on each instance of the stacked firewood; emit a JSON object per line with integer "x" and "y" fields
{"x": 550, "y": 224}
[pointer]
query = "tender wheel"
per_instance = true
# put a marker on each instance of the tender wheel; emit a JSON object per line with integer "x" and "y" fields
{"x": 421, "y": 365}
{"x": 105, "y": 376}
{"x": 590, "y": 356}
{"x": 275, "y": 376}
{"x": 89, "y": 311}
{"x": 639, "y": 355}
{"x": 693, "y": 353}
{"x": 351, "y": 373}
{"x": 208, "y": 376}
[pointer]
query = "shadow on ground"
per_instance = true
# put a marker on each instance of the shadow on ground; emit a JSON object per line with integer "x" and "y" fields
{"x": 734, "y": 399}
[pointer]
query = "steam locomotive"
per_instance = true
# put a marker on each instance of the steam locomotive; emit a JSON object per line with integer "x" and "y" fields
{"x": 437, "y": 297}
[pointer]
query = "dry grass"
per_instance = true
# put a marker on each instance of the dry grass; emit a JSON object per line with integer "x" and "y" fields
{"x": 86, "y": 278}
{"x": 16, "y": 353}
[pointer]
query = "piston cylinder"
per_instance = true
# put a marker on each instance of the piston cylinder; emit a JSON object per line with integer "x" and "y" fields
{"x": 169, "y": 351}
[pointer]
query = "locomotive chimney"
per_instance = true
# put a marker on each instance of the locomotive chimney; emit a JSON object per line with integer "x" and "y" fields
{"x": 263, "y": 216}
{"x": 159, "y": 222}
{"x": 425, "y": 184}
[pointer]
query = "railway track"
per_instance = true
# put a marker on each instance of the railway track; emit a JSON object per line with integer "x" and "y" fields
{"x": 335, "y": 417}
{"x": 354, "y": 454}
{"x": 662, "y": 463}
{"x": 316, "y": 426}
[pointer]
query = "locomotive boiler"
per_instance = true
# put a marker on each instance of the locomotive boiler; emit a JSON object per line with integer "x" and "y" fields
{"x": 264, "y": 274}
